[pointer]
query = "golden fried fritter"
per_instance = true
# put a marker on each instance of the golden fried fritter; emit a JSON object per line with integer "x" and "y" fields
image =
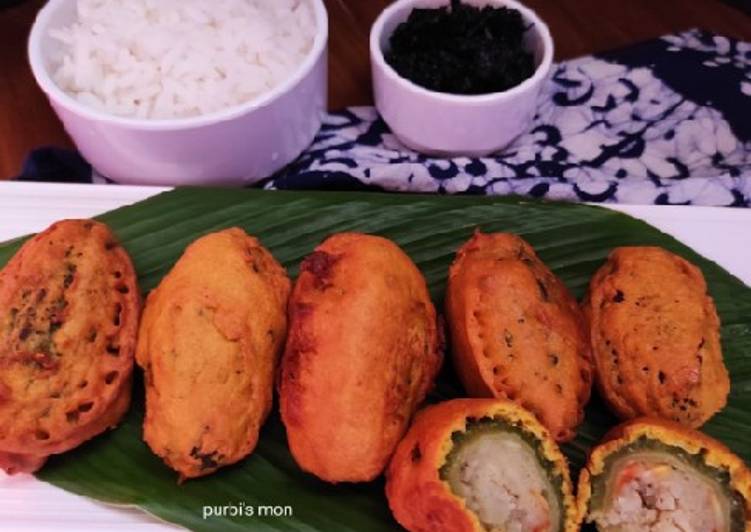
{"x": 652, "y": 474}
{"x": 476, "y": 465}
{"x": 655, "y": 337}
{"x": 209, "y": 342}
{"x": 69, "y": 310}
{"x": 362, "y": 352}
{"x": 517, "y": 332}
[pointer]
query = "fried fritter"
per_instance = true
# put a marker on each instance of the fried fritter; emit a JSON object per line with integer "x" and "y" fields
{"x": 478, "y": 465}
{"x": 517, "y": 332}
{"x": 651, "y": 474}
{"x": 69, "y": 310}
{"x": 363, "y": 351}
{"x": 209, "y": 343}
{"x": 655, "y": 337}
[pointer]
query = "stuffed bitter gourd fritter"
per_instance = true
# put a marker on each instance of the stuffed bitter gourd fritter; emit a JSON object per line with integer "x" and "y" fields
{"x": 517, "y": 332}
{"x": 653, "y": 475}
{"x": 655, "y": 337}
{"x": 69, "y": 310}
{"x": 209, "y": 343}
{"x": 480, "y": 465}
{"x": 362, "y": 353}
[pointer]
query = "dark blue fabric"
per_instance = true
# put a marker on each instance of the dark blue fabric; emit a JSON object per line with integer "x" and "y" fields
{"x": 667, "y": 121}
{"x": 703, "y": 68}
{"x": 55, "y": 165}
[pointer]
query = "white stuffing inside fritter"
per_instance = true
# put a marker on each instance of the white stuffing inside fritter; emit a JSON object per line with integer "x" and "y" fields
{"x": 661, "y": 494}
{"x": 500, "y": 479}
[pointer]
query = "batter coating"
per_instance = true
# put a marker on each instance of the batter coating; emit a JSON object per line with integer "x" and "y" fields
{"x": 655, "y": 337}
{"x": 210, "y": 339}
{"x": 363, "y": 351}
{"x": 517, "y": 332}
{"x": 69, "y": 310}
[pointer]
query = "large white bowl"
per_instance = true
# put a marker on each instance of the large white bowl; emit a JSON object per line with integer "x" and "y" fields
{"x": 449, "y": 124}
{"x": 236, "y": 146}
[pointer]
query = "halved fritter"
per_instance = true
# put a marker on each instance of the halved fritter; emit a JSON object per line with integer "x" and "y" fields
{"x": 480, "y": 465}
{"x": 209, "y": 343}
{"x": 362, "y": 353}
{"x": 517, "y": 332}
{"x": 652, "y": 475}
{"x": 69, "y": 310}
{"x": 655, "y": 337}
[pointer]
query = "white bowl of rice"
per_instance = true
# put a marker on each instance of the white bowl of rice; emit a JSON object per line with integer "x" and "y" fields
{"x": 184, "y": 92}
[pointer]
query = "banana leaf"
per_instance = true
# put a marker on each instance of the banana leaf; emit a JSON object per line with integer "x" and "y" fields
{"x": 118, "y": 468}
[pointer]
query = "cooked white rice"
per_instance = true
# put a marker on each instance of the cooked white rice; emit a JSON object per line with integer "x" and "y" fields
{"x": 180, "y": 58}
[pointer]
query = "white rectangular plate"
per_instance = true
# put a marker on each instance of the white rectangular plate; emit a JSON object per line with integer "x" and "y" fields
{"x": 721, "y": 234}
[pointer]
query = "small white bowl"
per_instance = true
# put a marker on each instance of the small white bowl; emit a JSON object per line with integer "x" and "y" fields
{"x": 450, "y": 124}
{"x": 236, "y": 146}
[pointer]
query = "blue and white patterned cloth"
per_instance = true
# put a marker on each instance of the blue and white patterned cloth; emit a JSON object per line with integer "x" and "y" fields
{"x": 665, "y": 122}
